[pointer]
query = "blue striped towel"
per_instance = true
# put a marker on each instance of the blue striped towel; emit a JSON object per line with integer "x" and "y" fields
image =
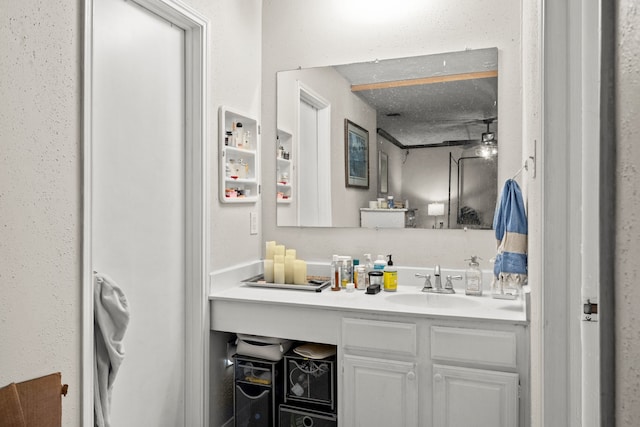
{"x": 510, "y": 225}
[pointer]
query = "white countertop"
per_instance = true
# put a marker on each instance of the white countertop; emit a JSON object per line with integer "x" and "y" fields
{"x": 435, "y": 305}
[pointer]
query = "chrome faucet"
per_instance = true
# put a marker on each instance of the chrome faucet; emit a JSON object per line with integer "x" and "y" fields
{"x": 437, "y": 288}
{"x": 436, "y": 275}
{"x": 427, "y": 282}
{"x": 448, "y": 287}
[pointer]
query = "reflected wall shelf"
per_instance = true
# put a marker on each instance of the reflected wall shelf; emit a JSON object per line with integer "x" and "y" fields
{"x": 239, "y": 142}
{"x": 284, "y": 167}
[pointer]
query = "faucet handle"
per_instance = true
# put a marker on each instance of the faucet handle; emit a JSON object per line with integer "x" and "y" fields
{"x": 427, "y": 282}
{"x": 449, "y": 284}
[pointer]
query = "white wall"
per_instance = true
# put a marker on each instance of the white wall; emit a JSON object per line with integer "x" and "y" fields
{"x": 234, "y": 82}
{"x": 308, "y": 33}
{"x": 40, "y": 205}
{"x": 627, "y": 229}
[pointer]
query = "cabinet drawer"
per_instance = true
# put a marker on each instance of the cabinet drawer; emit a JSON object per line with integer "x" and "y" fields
{"x": 477, "y": 346}
{"x": 384, "y": 337}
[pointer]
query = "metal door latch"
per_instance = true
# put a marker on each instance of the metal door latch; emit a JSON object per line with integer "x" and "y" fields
{"x": 590, "y": 310}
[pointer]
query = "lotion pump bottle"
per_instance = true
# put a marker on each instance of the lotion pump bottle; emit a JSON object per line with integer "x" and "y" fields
{"x": 390, "y": 277}
{"x": 380, "y": 263}
{"x": 473, "y": 277}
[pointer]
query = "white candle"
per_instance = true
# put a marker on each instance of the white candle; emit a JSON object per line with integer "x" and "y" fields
{"x": 278, "y": 259}
{"x": 268, "y": 270}
{"x": 279, "y": 250}
{"x": 300, "y": 272}
{"x": 288, "y": 268}
{"x": 270, "y": 249}
{"x": 291, "y": 252}
{"x": 278, "y": 273}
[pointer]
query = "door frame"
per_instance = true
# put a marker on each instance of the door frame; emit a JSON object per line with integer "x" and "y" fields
{"x": 570, "y": 268}
{"x": 196, "y": 29}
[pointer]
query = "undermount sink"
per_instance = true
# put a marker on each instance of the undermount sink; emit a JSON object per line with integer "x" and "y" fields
{"x": 433, "y": 300}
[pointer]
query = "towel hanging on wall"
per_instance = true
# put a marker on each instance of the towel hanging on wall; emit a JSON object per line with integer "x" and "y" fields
{"x": 511, "y": 228}
{"x": 111, "y": 317}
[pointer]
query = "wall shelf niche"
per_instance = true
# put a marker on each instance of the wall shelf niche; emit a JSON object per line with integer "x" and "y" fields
{"x": 239, "y": 142}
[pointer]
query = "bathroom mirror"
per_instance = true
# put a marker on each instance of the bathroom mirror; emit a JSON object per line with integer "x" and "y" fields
{"x": 434, "y": 121}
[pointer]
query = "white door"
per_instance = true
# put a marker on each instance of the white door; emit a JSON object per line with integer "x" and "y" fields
{"x": 464, "y": 397}
{"x": 379, "y": 392}
{"x": 138, "y": 222}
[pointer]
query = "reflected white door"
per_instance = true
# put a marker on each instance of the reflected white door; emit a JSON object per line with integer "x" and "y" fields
{"x": 314, "y": 164}
{"x": 139, "y": 203}
{"x": 308, "y": 148}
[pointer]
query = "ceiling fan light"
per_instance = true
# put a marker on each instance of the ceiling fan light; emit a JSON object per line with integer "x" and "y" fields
{"x": 487, "y": 150}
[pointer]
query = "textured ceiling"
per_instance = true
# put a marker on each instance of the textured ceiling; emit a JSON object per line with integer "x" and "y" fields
{"x": 434, "y": 112}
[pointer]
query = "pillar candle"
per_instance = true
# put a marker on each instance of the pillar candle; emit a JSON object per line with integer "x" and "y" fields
{"x": 278, "y": 259}
{"x": 279, "y": 250}
{"x": 268, "y": 270}
{"x": 299, "y": 272}
{"x": 278, "y": 273}
{"x": 288, "y": 268}
{"x": 270, "y": 249}
{"x": 291, "y": 252}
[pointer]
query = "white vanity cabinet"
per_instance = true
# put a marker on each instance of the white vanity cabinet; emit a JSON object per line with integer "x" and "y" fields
{"x": 464, "y": 397}
{"x": 380, "y": 381}
{"x": 475, "y": 377}
{"x": 397, "y": 367}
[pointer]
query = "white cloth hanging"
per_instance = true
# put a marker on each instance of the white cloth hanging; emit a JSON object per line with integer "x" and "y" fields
{"x": 111, "y": 317}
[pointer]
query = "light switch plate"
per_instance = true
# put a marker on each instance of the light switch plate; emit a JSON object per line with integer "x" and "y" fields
{"x": 253, "y": 223}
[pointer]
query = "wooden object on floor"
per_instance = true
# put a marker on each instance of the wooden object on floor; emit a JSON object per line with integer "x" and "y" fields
{"x": 33, "y": 403}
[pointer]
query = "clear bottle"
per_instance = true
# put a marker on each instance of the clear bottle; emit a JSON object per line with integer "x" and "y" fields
{"x": 346, "y": 271}
{"x": 473, "y": 277}
{"x": 362, "y": 277}
{"x": 368, "y": 265}
{"x": 247, "y": 140}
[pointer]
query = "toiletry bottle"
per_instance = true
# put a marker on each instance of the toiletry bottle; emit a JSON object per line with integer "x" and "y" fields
{"x": 239, "y": 135}
{"x": 362, "y": 277}
{"x": 473, "y": 277}
{"x": 335, "y": 274}
{"x": 380, "y": 263}
{"x": 355, "y": 264}
{"x": 247, "y": 140}
{"x": 346, "y": 271}
{"x": 390, "y": 202}
{"x": 368, "y": 265}
{"x": 390, "y": 278}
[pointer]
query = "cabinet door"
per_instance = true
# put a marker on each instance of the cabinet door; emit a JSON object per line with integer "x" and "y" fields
{"x": 464, "y": 397}
{"x": 379, "y": 392}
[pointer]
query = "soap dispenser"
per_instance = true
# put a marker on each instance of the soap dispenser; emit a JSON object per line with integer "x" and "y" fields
{"x": 390, "y": 276}
{"x": 473, "y": 277}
